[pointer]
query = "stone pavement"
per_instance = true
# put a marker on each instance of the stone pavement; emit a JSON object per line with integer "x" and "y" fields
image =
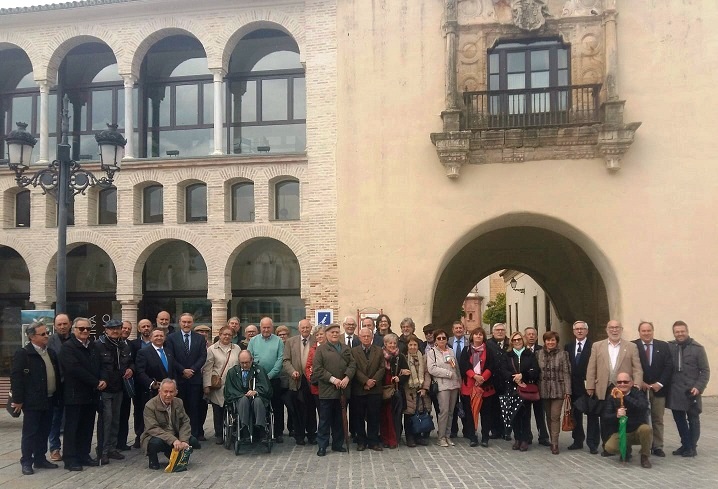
{"x": 422, "y": 467}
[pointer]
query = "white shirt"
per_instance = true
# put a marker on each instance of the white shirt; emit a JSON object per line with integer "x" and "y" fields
{"x": 583, "y": 346}
{"x": 346, "y": 339}
{"x": 613, "y": 351}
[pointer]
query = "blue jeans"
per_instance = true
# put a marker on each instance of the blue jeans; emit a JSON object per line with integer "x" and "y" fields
{"x": 58, "y": 413}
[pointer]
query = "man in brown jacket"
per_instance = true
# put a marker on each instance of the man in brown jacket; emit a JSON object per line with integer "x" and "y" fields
{"x": 166, "y": 424}
{"x": 296, "y": 351}
{"x": 333, "y": 369}
{"x": 366, "y": 392}
{"x": 608, "y": 358}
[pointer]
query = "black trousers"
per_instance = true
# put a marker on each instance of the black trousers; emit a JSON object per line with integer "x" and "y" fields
{"x": 364, "y": 418}
{"x": 330, "y": 422}
{"x": 79, "y": 425}
{"x": 540, "y": 419}
{"x": 139, "y": 402}
{"x": 124, "y": 430}
{"x": 191, "y": 395}
{"x": 304, "y": 410}
{"x": 467, "y": 422}
{"x": 278, "y": 406}
{"x": 591, "y": 435}
{"x": 203, "y": 409}
{"x": 522, "y": 423}
{"x": 688, "y": 424}
{"x": 218, "y": 415}
{"x": 157, "y": 445}
{"x": 35, "y": 430}
{"x": 489, "y": 406}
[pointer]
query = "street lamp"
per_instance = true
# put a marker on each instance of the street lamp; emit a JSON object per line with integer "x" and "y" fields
{"x": 513, "y": 284}
{"x": 63, "y": 179}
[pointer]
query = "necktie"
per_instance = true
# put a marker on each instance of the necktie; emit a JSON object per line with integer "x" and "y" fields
{"x": 457, "y": 350}
{"x": 163, "y": 357}
{"x": 578, "y": 353}
{"x": 648, "y": 353}
{"x": 244, "y": 377}
{"x": 304, "y": 342}
{"x": 186, "y": 343}
{"x": 349, "y": 340}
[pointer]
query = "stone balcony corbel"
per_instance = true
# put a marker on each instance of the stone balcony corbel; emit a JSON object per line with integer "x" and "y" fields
{"x": 453, "y": 149}
{"x": 615, "y": 136}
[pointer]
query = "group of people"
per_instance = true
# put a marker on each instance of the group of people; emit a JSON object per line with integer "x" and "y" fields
{"x": 382, "y": 379}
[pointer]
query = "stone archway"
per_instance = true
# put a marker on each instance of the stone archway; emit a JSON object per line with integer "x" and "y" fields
{"x": 572, "y": 279}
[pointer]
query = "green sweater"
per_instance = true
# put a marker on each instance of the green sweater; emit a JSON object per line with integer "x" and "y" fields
{"x": 268, "y": 353}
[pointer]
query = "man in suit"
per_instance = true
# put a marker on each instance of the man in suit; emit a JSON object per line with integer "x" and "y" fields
{"x": 366, "y": 390}
{"x": 334, "y": 368}
{"x": 608, "y": 358}
{"x": 531, "y": 337}
{"x": 458, "y": 342}
{"x": 124, "y": 429}
{"x": 163, "y": 323}
{"x": 143, "y": 339}
{"x": 189, "y": 350}
{"x": 60, "y": 334}
{"x": 579, "y": 352}
{"x": 35, "y": 385}
{"x": 152, "y": 363}
{"x": 80, "y": 363}
{"x": 499, "y": 344}
{"x": 296, "y": 351}
{"x": 248, "y": 387}
{"x": 657, "y": 370}
{"x": 350, "y": 338}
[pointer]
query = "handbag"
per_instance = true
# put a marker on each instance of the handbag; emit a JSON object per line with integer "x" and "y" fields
{"x": 388, "y": 391}
{"x": 215, "y": 382}
{"x": 421, "y": 421}
{"x": 529, "y": 392}
{"x": 434, "y": 386}
{"x": 567, "y": 423}
{"x": 9, "y": 407}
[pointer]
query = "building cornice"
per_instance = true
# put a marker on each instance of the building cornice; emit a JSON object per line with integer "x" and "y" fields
{"x": 60, "y": 6}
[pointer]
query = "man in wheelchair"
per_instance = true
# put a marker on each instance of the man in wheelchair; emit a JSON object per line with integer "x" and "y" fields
{"x": 248, "y": 389}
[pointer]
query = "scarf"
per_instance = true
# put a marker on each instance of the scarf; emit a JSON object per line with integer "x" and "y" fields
{"x": 416, "y": 366}
{"x": 388, "y": 357}
{"x": 519, "y": 352}
{"x": 476, "y": 353}
{"x": 119, "y": 344}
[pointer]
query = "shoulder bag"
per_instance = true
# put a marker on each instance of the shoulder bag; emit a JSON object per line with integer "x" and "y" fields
{"x": 527, "y": 392}
{"x": 216, "y": 381}
{"x": 421, "y": 420}
{"x": 567, "y": 423}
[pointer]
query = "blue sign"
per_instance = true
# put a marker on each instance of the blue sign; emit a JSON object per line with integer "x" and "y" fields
{"x": 324, "y": 317}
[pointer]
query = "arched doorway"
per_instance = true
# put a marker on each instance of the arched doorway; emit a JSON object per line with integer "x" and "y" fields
{"x": 14, "y": 296}
{"x": 91, "y": 285}
{"x": 558, "y": 264}
{"x": 174, "y": 279}
{"x": 266, "y": 282}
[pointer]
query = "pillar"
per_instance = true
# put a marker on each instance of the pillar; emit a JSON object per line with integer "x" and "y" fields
{"x": 218, "y": 75}
{"x": 129, "y": 116}
{"x": 44, "y": 122}
{"x": 219, "y": 315}
{"x": 129, "y": 313}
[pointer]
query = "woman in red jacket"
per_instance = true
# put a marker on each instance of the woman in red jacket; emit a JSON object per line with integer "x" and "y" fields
{"x": 477, "y": 363}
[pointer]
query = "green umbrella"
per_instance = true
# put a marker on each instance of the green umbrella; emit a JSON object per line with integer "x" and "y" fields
{"x": 622, "y": 421}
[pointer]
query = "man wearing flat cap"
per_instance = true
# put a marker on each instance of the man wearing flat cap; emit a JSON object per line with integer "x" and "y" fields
{"x": 116, "y": 359}
{"x": 333, "y": 368}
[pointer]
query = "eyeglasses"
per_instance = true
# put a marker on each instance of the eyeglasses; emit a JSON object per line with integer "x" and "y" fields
{"x": 41, "y": 334}
{"x": 440, "y": 338}
{"x": 82, "y": 328}
{"x": 516, "y": 340}
{"x": 623, "y": 382}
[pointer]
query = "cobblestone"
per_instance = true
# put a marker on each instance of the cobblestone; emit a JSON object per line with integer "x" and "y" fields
{"x": 429, "y": 467}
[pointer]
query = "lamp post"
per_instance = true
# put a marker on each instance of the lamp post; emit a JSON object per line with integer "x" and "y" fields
{"x": 63, "y": 179}
{"x": 513, "y": 284}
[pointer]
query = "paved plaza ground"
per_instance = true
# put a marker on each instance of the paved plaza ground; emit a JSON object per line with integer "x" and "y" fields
{"x": 429, "y": 467}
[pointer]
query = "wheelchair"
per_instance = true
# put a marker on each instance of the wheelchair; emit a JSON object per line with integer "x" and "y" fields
{"x": 232, "y": 438}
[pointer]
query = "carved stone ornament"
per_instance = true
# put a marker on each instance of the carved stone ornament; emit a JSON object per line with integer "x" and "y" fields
{"x": 529, "y": 15}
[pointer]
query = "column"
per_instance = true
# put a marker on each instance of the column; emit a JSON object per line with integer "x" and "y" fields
{"x": 44, "y": 122}
{"x": 129, "y": 313}
{"x": 218, "y": 129}
{"x": 42, "y": 305}
{"x": 611, "y": 51}
{"x": 450, "y": 29}
{"x": 219, "y": 315}
{"x": 129, "y": 116}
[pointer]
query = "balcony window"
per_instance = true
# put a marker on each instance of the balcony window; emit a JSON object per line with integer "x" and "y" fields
{"x": 286, "y": 200}
{"x": 152, "y": 204}
{"x": 22, "y": 209}
{"x": 107, "y": 206}
{"x": 196, "y": 203}
{"x": 243, "y": 202}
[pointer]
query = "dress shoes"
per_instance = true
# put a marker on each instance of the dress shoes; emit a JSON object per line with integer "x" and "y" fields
{"x": 154, "y": 465}
{"x": 55, "y": 456}
{"x": 376, "y": 448}
{"x": 544, "y": 443}
{"x": 606, "y": 454}
{"x": 339, "y": 449}
{"x": 516, "y": 445}
{"x": 27, "y": 470}
{"x": 279, "y": 439}
{"x": 301, "y": 442}
{"x": 474, "y": 442}
{"x": 524, "y": 446}
{"x": 45, "y": 464}
{"x": 594, "y": 451}
{"x": 484, "y": 442}
{"x": 116, "y": 455}
{"x": 136, "y": 444}
{"x": 575, "y": 446}
{"x": 689, "y": 452}
{"x": 658, "y": 452}
{"x": 74, "y": 467}
{"x": 678, "y": 452}
{"x": 322, "y": 452}
{"x": 90, "y": 462}
{"x": 124, "y": 448}
{"x": 361, "y": 448}
{"x": 105, "y": 460}
{"x": 554, "y": 449}
{"x": 645, "y": 462}
{"x": 202, "y": 438}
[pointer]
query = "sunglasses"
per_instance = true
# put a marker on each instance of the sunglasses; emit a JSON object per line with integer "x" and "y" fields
{"x": 82, "y": 328}
{"x": 440, "y": 337}
{"x": 623, "y": 382}
{"x": 517, "y": 339}
{"x": 41, "y": 334}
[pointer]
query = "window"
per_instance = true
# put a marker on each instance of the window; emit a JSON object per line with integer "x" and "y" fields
{"x": 22, "y": 209}
{"x": 107, "y": 206}
{"x": 243, "y": 202}
{"x": 528, "y": 75}
{"x": 266, "y": 103}
{"x": 152, "y": 204}
{"x": 286, "y": 200}
{"x": 196, "y": 203}
{"x": 178, "y": 103}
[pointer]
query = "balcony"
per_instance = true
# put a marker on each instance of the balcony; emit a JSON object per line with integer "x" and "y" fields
{"x": 576, "y": 105}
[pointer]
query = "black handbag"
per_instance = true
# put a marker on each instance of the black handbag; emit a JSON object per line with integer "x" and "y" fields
{"x": 434, "y": 386}
{"x": 421, "y": 421}
{"x": 9, "y": 407}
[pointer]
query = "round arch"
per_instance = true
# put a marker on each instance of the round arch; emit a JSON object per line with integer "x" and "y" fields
{"x": 72, "y": 40}
{"x": 14, "y": 273}
{"x": 565, "y": 262}
{"x": 150, "y": 38}
{"x": 284, "y": 24}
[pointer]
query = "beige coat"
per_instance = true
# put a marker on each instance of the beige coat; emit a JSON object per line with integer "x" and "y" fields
{"x": 216, "y": 358}
{"x": 157, "y": 422}
{"x": 599, "y": 366}
{"x": 292, "y": 361}
{"x": 446, "y": 376}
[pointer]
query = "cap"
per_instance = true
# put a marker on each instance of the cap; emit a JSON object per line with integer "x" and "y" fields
{"x": 113, "y": 323}
{"x": 428, "y": 328}
{"x": 202, "y": 327}
{"x": 331, "y": 326}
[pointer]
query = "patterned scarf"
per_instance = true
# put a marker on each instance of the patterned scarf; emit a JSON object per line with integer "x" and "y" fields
{"x": 388, "y": 357}
{"x": 416, "y": 366}
{"x": 476, "y": 353}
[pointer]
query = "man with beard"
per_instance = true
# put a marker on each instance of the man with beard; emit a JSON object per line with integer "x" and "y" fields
{"x": 116, "y": 362}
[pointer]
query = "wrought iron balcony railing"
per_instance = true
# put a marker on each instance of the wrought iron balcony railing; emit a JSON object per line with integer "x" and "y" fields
{"x": 572, "y": 105}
